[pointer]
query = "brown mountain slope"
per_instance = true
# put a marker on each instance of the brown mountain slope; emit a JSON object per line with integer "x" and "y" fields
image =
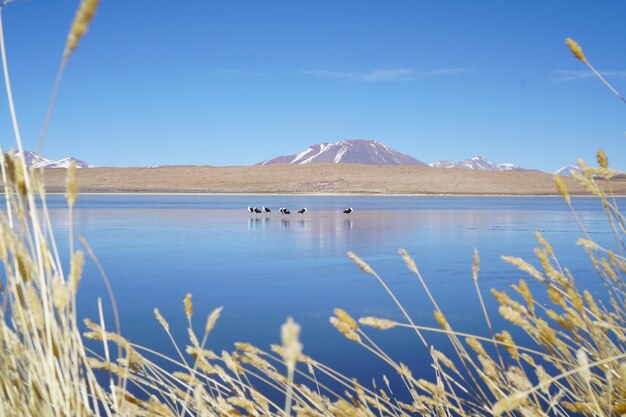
{"x": 312, "y": 178}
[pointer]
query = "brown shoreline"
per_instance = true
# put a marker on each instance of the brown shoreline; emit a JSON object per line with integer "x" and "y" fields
{"x": 314, "y": 179}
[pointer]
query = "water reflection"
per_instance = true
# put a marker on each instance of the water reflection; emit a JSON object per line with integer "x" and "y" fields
{"x": 255, "y": 223}
{"x": 263, "y": 269}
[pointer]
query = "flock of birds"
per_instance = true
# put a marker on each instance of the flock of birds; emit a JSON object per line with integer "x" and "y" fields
{"x": 286, "y": 211}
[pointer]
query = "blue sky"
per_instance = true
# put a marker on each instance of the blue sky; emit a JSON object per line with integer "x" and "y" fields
{"x": 231, "y": 82}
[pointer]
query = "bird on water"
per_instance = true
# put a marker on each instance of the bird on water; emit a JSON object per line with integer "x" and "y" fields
{"x": 302, "y": 210}
{"x": 348, "y": 210}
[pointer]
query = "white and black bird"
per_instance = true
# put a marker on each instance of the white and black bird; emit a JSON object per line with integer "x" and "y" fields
{"x": 257, "y": 210}
{"x": 302, "y": 210}
{"x": 266, "y": 210}
{"x": 286, "y": 211}
{"x": 250, "y": 209}
{"x": 348, "y": 210}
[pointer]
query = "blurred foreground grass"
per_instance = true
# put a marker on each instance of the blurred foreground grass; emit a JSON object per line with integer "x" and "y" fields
{"x": 575, "y": 364}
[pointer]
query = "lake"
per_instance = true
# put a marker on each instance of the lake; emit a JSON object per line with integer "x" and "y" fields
{"x": 265, "y": 268}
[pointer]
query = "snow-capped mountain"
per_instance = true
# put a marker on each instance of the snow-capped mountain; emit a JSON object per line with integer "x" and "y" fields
{"x": 353, "y": 151}
{"x": 65, "y": 163}
{"x": 566, "y": 171}
{"x": 34, "y": 160}
{"x": 477, "y": 163}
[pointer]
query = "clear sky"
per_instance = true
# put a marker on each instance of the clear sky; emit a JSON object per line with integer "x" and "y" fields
{"x": 229, "y": 82}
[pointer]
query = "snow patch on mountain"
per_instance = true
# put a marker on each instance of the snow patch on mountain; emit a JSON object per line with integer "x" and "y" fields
{"x": 477, "y": 163}
{"x": 34, "y": 160}
{"x": 351, "y": 151}
{"x": 566, "y": 171}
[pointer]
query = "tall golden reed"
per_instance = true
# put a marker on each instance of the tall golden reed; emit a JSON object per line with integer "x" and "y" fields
{"x": 575, "y": 362}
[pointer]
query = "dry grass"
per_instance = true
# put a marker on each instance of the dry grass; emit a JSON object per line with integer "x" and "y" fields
{"x": 575, "y": 364}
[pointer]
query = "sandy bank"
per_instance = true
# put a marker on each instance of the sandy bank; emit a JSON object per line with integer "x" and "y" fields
{"x": 313, "y": 179}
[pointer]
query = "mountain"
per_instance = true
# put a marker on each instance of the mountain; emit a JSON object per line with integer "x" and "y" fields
{"x": 353, "y": 151}
{"x": 566, "y": 171}
{"x": 65, "y": 163}
{"x": 34, "y": 160}
{"x": 477, "y": 163}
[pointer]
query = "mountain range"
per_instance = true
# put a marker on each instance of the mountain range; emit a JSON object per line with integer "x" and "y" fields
{"x": 477, "y": 163}
{"x": 350, "y": 151}
{"x": 371, "y": 152}
{"x": 34, "y": 160}
{"x": 354, "y": 151}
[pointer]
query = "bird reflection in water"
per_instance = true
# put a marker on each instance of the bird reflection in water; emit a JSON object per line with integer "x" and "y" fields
{"x": 254, "y": 223}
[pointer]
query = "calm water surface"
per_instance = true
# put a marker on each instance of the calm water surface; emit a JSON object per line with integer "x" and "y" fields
{"x": 264, "y": 268}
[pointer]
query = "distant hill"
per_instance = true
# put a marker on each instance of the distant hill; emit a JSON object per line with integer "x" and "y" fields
{"x": 317, "y": 179}
{"x": 478, "y": 163}
{"x": 353, "y": 151}
{"x": 34, "y": 160}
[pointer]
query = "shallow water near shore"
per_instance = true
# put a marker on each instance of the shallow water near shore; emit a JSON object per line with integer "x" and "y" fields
{"x": 264, "y": 268}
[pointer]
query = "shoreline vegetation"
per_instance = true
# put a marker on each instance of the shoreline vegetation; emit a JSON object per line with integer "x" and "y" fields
{"x": 322, "y": 179}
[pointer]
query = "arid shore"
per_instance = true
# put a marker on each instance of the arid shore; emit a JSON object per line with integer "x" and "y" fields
{"x": 314, "y": 178}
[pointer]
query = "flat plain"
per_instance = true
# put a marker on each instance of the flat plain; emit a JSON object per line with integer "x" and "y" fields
{"x": 315, "y": 179}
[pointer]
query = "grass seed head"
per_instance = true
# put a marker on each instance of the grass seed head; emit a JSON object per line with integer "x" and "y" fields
{"x": 544, "y": 379}
{"x": 476, "y": 346}
{"x": 583, "y": 362}
{"x": 508, "y": 343}
{"x": 364, "y": 266}
{"x": 188, "y": 307}
{"x": 161, "y": 320}
{"x": 508, "y": 403}
{"x": 408, "y": 260}
{"x": 475, "y": 265}
{"x": 524, "y": 266}
{"x": 555, "y": 296}
{"x": 212, "y": 319}
{"x": 80, "y": 25}
{"x": 440, "y": 357}
{"x": 603, "y": 161}
{"x": 517, "y": 377}
{"x": 546, "y": 246}
{"x": 345, "y": 330}
{"x": 346, "y": 319}
{"x": 441, "y": 319}
{"x": 547, "y": 333}
{"x": 76, "y": 269}
{"x": 575, "y": 48}
{"x": 60, "y": 294}
{"x": 290, "y": 337}
{"x": 528, "y": 359}
{"x": 562, "y": 188}
{"x": 72, "y": 187}
{"x": 378, "y": 323}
